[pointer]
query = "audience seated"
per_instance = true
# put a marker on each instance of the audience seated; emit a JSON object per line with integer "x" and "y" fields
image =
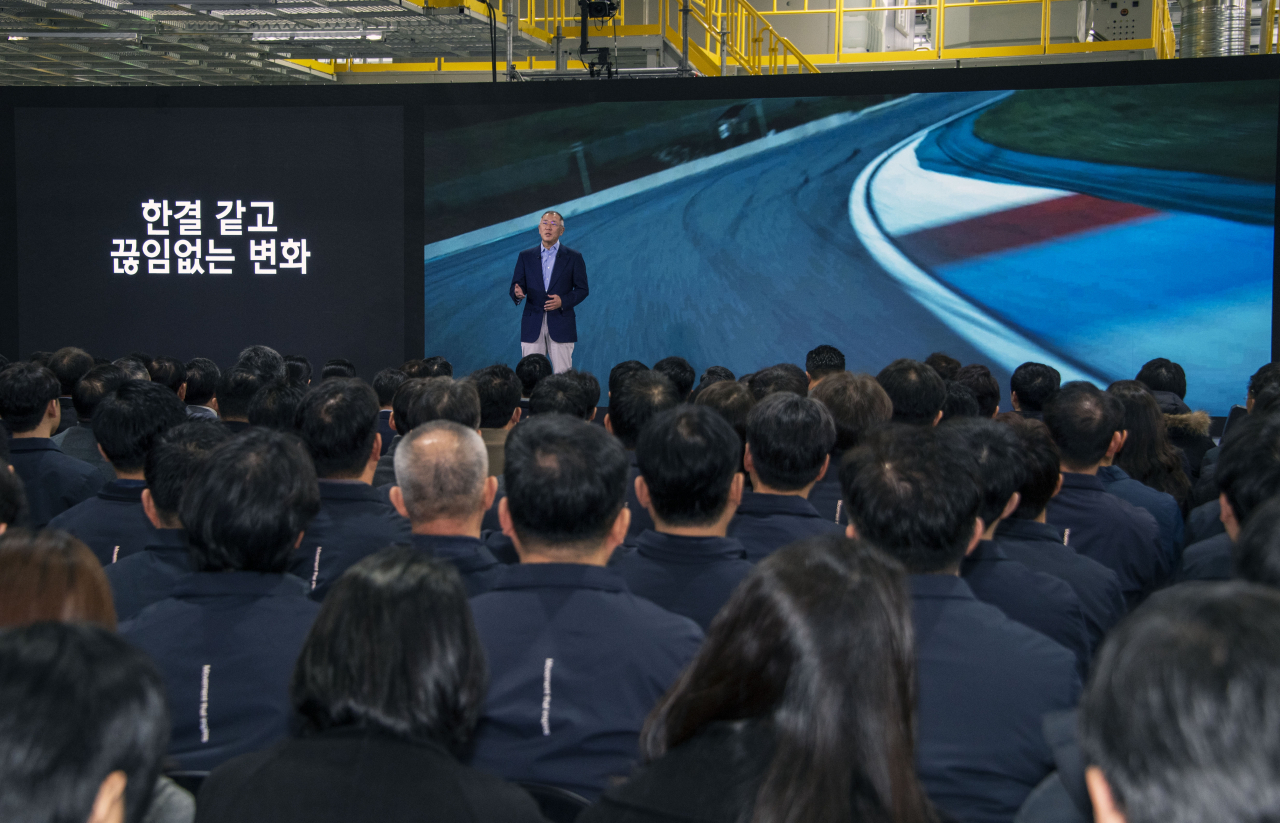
{"x": 126, "y": 423}
{"x": 13, "y": 498}
{"x": 265, "y": 362}
{"x": 68, "y": 364}
{"x": 679, "y": 372}
{"x": 576, "y": 661}
{"x": 986, "y": 681}
{"x": 500, "y": 393}
{"x": 29, "y": 407}
{"x": 562, "y": 394}
{"x": 84, "y": 725}
{"x": 1179, "y": 721}
{"x": 170, "y": 373}
{"x": 226, "y": 637}
{"x": 857, "y": 405}
{"x": 946, "y": 366}
{"x": 202, "y": 385}
{"x": 731, "y": 400}
{"x": 636, "y": 397}
{"x": 533, "y": 368}
{"x": 337, "y": 367}
{"x": 443, "y": 487}
{"x": 1188, "y": 430}
{"x": 788, "y": 450}
{"x": 960, "y": 402}
{"x": 79, "y": 440}
{"x": 385, "y": 384}
{"x": 1087, "y": 426}
{"x": 434, "y": 366}
{"x": 798, "y": 707}
{"x": 916, "y": 391}
{"x": 1257, "y": 549}
{"x": 236, "y": 388}
{"x": 49, "y": 575}
{"x": 275, "y": 406}
{"x": 297, "y": 370}
{"x": 1264, "y": 382}
{"x": 388, "y": 688}
{"x": 784, "y": 377}
{"x": 591, "y": 391}
{"x": 134, "y": 367}
{"x": 1031, "y": 386}
{"x": 338, "y": 420}
{"x": 714, "y": 374}
{"x": 421, "y": 400}
{"x": 823, "y": 361}
{"x": 690, "y": 485}
{"x": 979, "y": 380}
{"x": 148, "y": 576}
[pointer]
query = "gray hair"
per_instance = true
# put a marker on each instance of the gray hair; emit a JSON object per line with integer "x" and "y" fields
{"x": 441, "y": 467}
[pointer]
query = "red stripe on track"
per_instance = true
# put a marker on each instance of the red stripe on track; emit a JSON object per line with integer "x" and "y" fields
{"x": 1014, "y": 228}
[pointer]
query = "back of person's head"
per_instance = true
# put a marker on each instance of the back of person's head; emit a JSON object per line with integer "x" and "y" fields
{"x": 561, "y": 394}
{"x": 439, "y": 398}
{"x": 50, "y": 575}
{"x": 394, "y": 650}
{"x": 946, "y": 366}
{"x": 789, "y": 439}
{"x": 441, "y": 467}
{"x": 1257, "y": 551}
{"x": 413, "y": 368}
{"x": 500, "y": 390}
{"x": 96, "y": 384}
{"x": 246, "y": 510}
{"x": 127, "y": 422}
{"x": 621, "y": 372}
{"x": 263, "y": 361}
{"x": 40, "y": 358}
{"x": 731, "y": 400}
{"x": 13, "y": 495}
{"x": 816, "y": 644}
{"x": 566, "y": 481}
{"x": 997, "y": 453}
{"x": 1148, "y": 455}
{"x": 1163, "y": 374}
{"x": 784, "y": 377}
{"x": 69, "y": 364}
{"x": 275, "y": 406}
{"x": 688, "y": 457}
{"x": 297, "y": 369}
{"x": 590, "y": 388}
{"x": 960, "y": 402}
{"x": 822, "y": 361}
{"x": 168, "y": 372}
{"x": 202, "y": 380}
{"x": 385, "y": 384}
{"x": 913, "y": 491}
{"x": 531, "y": 369}
{"x": 857, "y": 404}
{"x": 679, "y": 372}
{"x": 1034, "y": 383}
{"x": 639, "y": 398}
{"x": 915, "y": 389}
{"x": 136, "y": 369}
{"x": 715, "y": 374}
{"x": 986, "y": 390}
{"x": 1041, "y": 461}
{"x": 82, "y": 716}
{"x": 1249, "y": 463}
{"x": 177, "y": 456}
{"x": 338, "y": 420}
{"x": 337, "y": 367}
{"x": 25, "y": 392}
{"x": 142, "y": 358}
{"x": 236, "y": 388}
{"x": 1180, "y": 715}
{"x": 436, "y": 366}
{"x": 1083, "y": 421}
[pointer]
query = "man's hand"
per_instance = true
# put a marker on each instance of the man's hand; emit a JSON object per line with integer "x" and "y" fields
{"x": 553, "y": 302}
{"x": 519, "y": 294}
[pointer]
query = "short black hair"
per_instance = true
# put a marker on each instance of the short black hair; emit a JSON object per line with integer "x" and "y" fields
{"x": 236, "y": 387}
{"x": 177, "y": 456}
{"x": 731, "y": 400}
{"x": 394, "y": 649}
{"x": 385, "y": 384}
{"x": 245, "y": 510}
{"x": 1034, "y": 383}
{"x": 960, "y": 402}
{"x": 436, "y": 366}
{"x": 298, "y": 369}
{"x": 621, "y": 372}
{"x": 1041, "y": 461}
{"x": 913, "y": 491}
{"x": 13, "y": 495}
{"x": 566, "y": 481}
{"x": 560, "y": 394}
{"x": 500, "y": 391}
{"x": 1162, "y": 374}
{"x": 337, "y": 367}
{"x": 715, "y": 374}
{"x": 202, "y": 381}
{"x": 688, "y": 457}
{"x": 857, "y": 404}
{"x": 275, "y": 406}
{"x": 789, "y": 438}
{"x": 1180, "y": 712}
{"x": 916, "y": 390}
{"x": 531, "y": 369}
{"x": 986, "y": 390}
{"x": 997, "y": 453}
{"x": 96, "y": 384}
{"x": 79, "y": 703}
{"x": 944, "y": 364}
{"x": 640, "y": 397}
{"x": 263, "y": 361}
{"x": 436, "y": 398}
{"x": 590, "y": 386}
{"x": 25, "y": 392}
{"x": 338, "y": 420}
{"x": 1257, "y": 551}
{"x": 128, "y": 421}
{"x": 168, "y": 372}
{"x": 784, "y": 377}
{"x": 1083, "y": 419}
{"x": 1249, "y": 463}
{"x": 136, "y": 369}
{"x": 822, "y": 361}
{"x": 679, "y": 372}
{"x": 69, "y": 364}
{"x": 1269, "y": 373}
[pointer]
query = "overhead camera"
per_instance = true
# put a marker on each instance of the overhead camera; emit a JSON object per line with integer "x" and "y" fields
{"x": 599, "y": 9}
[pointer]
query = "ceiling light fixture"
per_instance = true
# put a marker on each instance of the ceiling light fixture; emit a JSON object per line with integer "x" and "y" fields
{"x": 277, "y": 35}
{"x": 75, "y": 35}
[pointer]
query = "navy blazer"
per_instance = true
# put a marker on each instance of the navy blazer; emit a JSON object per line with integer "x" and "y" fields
{"x": 1038, "y": 546}
{"x": 1211, "y": 559}
{"x": 355, "y": 521}
{"x": 576, "y": 663}
{"x": 225, "y": 643}
{"x": 149, "y": 576}
{"x": 469, "y": 555}
{"x": 568, "y": 279}
{"x": 54, "y": 481}
{"x": 111, "y": 523}
{"x": 692, "y": 576}
{"x": 985, "y": 684}
{"x": 1161, "y": 506}
{"x": 767, "y": 522}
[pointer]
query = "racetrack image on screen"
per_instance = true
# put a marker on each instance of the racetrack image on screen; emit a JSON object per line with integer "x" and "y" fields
{"x": 1088, "y": 228}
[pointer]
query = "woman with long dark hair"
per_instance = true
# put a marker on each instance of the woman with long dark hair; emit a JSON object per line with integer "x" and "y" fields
{"x": 1148, "y": 455}
{"x": 799, "y": 707}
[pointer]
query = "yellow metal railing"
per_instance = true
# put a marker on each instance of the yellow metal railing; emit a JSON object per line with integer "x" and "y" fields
{"x": 1266, "y": 38}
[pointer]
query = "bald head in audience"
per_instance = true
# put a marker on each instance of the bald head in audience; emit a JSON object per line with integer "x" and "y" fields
{"x": 442, "y": 479}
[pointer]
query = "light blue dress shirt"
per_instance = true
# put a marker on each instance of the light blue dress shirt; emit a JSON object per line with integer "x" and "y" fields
{"x": 548, "y": 263}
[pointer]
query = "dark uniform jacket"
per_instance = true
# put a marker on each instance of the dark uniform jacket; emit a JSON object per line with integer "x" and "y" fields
{"x": 576, "y": 663}
{"x": 469, "y": 555}
{"x": 1205, "y": 521}
{"x": 692, "y": 576}
{"x": 767, "y": 522}
{"x": 1160, "y": 505}
{"x": 111, "y": 523}
{"x": 149, "y": 576}
{"x": 54, "y": 481}
{"x": 827, "y": 497}
{"x": 1210, "y": 559}
{"x": 354, "y": 522}
{"x": 640, "y": 517}
{"x": 79, "y": 442}
{"x": 384, "y": 429}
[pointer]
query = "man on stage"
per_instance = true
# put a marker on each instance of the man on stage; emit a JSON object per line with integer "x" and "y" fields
{"x": 555, "y": 279}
